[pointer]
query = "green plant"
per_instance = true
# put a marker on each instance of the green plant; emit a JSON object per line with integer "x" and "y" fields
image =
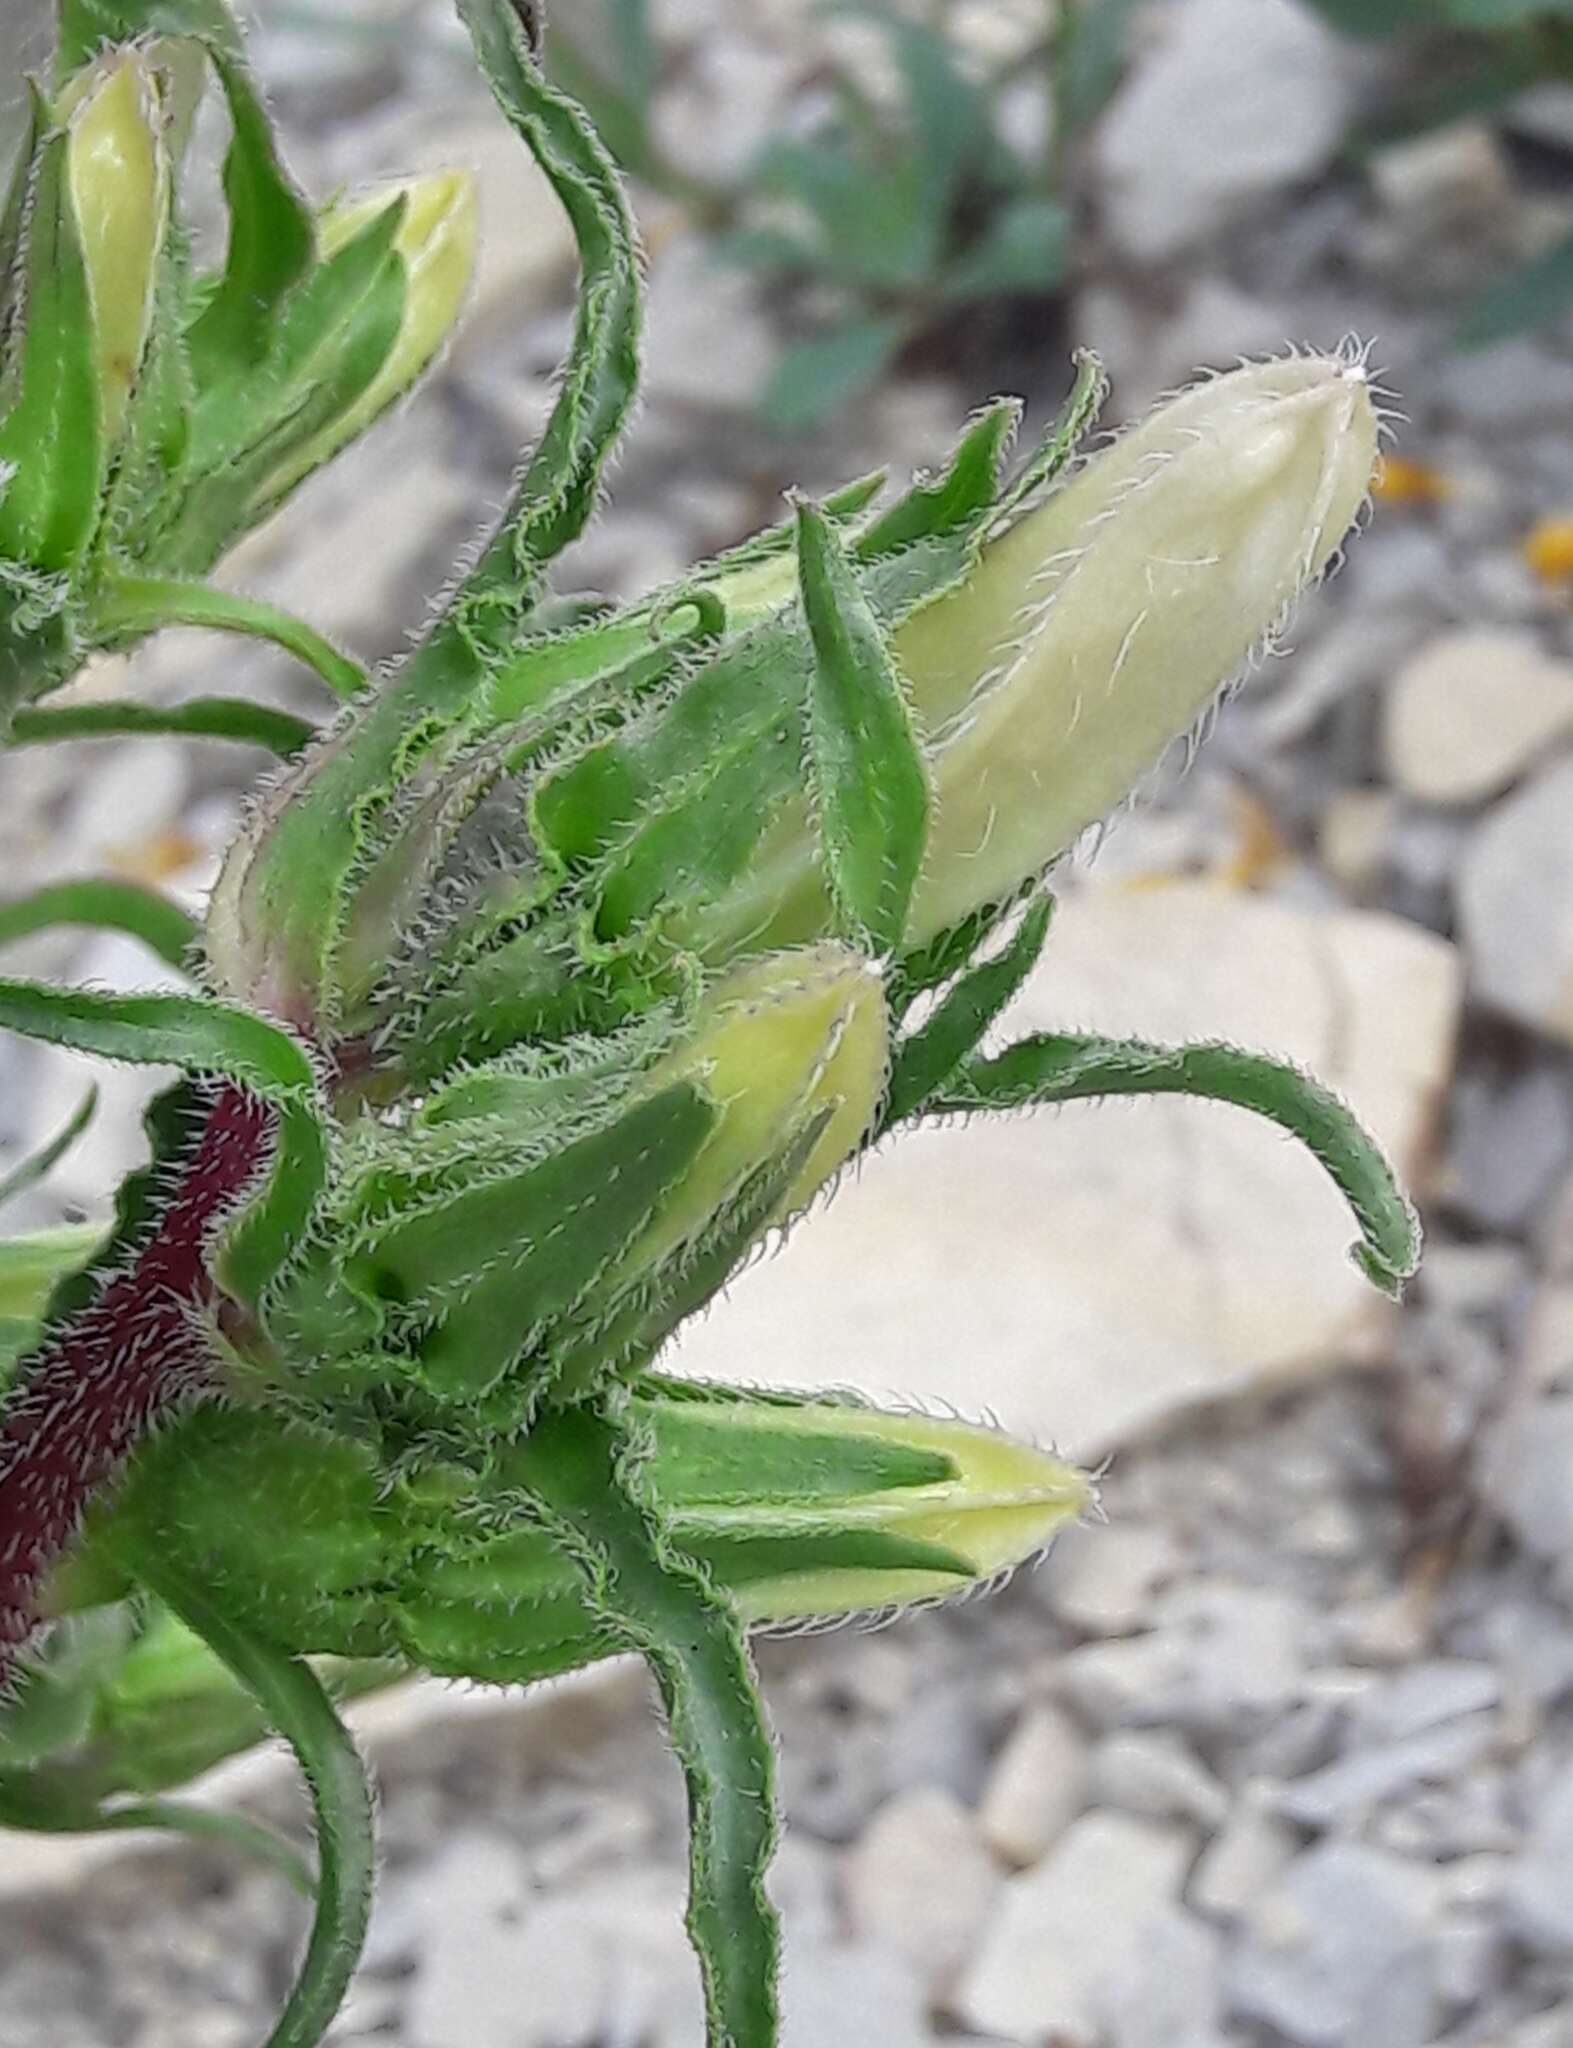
{"x": 891, "y": 213}
{"x": 571, "y": 961}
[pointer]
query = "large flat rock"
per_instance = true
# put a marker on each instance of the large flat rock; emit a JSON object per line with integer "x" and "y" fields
{"x": 1085, "y": 1272}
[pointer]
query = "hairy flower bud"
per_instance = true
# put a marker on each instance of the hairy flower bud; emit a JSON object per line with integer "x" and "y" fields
{"x": 435, "y": 245}
{"x": 1100, "y": 627}
{"x": 119, "y": 182}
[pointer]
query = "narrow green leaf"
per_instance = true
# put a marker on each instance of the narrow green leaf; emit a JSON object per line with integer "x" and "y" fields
{"x": 1053, "y": 1068}
{"x": 211, "y": 718}
{"x": 271, "y": 241}
{"x": 51, "y": 454}
{"x": 1059, "y": 444}
{"x": 585, "y": 1474}
{"x": 1532, "y": 296}
{"x": 127, "y": 607}
{"x": 293, "y": 1700}
{"x": 28, "y": 1172}
{"x": 814, "y": 378}
{"x": 927, "y": 1059}
{"x": 957, "y": 496}
{"x": 106, "y": 903}
{"x": 204, "y": 1037}
{"x": 555, "y": 493}
{"x": 866, "y": 768}
{"x": 201, "y": 1824}
{"x": 1026, "y": 249}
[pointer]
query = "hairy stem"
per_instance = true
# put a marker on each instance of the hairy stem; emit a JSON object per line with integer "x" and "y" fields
{"x": 112, "y": 1372}
{"x": 291, "y": 1696}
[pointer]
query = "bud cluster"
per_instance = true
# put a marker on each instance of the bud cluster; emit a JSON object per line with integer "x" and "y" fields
{"x": 150, "y": 414}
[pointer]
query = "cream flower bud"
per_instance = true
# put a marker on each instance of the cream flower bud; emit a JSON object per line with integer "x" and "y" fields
{"x": 436, "y": 244}
{"x": 1101, "y": 627}
{"x": 119, "y": 180}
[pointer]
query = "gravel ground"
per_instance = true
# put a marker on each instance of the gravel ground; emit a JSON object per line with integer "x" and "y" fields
{"x": 1283, "y": 1753}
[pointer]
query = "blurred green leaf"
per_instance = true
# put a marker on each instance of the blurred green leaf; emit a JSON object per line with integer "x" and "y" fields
{"x": 813, "y": 378}
{"x": 1529, "y": 297}
{"x": 28, "y": 1172}
{"x": 1026, "y": 249}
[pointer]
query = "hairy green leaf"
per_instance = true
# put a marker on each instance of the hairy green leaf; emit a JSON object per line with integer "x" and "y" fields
{"x": 1055, "y": 1068}
{"x": 210, "y": 718}
{"x": 106, "y": 903}
{"x": 292, "y": 1698}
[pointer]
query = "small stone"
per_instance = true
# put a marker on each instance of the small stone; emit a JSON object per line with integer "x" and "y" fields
{"x": 1223, "y": 1656}
{"x": 1449, "y": 178}
{"x": 1344, "y": 1791}
{"x": 1548, "y": 1337}
{"x": 1339, "y": 1951}
{"x": 1261, "y": 79}
{"x": 1101, "y": 1581}
{"x": 1171, "y": 2001}
{"x": 1353, "y": 839}
{"x": 1037, "y": 1786}
{"x": 1473, "y": 710}
{"x": 1245, "y": 1857}
{"x": 1509, "y": 386}
{"x": 1471, "y": 1279}
{"x": 1515, "y": 897}
{"x": 1510, "y": 1147}
{"x": 1526, "y": 1475}
{"x": 1538, "y": 1896}
{"x": 1066, "y": 1935}
{"x": 845, "y": 1996}
{"x": 1471, "y": 1960}
{"x": 920, "y": 1883}
{"x": 706, "y": 344}
{"x": 1156, "y": 1776}
{"x": 1438, "y": 1690}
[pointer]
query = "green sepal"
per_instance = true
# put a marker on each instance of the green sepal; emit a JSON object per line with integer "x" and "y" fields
{"x": 332, "y": 336}
{"x": 472, "y": 1282}
{"x": 1050, "y": 1068}
{"x": 866, "y": 771}
{"x": 86, "y": 25}
{"x": 106, "y": 903}
{"x": 51, "y": 452}
{"x": 963, "y": 491}
{"x": 272, "y": 241}
{"x": 1059, "y": 444}
{"x": 929, "y": 1056}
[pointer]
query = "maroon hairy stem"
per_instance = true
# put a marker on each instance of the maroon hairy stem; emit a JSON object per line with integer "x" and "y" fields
{"x": 113, "y": 1371}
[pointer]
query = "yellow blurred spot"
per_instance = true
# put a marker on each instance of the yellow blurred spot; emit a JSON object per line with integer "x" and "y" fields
{"x": 1400, "y": 480}
{"x": 1548, "y": 549}
{"x": 156, "y": 859}
{"x": 1260, "y": 849}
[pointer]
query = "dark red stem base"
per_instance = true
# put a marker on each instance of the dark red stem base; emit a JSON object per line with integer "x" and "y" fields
{"x": 110, "y": 1374}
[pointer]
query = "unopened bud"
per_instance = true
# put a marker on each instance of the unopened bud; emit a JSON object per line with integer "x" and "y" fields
{"x": 783, "y": 1040}
{"x": 119, "y": 182}
{"x": 435, "y": 243}
{"x": 1101, "y": 627}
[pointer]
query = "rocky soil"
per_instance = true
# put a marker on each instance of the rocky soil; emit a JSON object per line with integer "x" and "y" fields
{"x": 1283, "y": 1752}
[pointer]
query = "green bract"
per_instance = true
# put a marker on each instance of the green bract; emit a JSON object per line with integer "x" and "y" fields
{"x": 567, "y": 967}
{"x": 150, "y": 415}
